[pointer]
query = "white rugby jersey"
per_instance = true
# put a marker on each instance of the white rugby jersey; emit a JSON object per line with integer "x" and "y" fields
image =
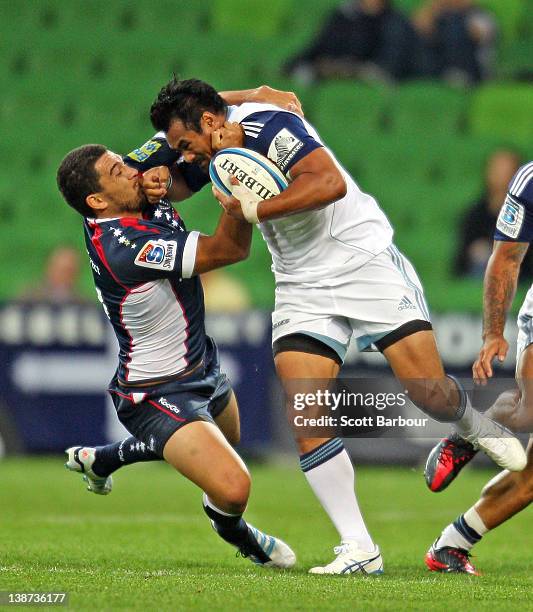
{"x": 318, "y": 243}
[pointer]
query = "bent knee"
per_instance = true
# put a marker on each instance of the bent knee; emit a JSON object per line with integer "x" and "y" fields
{"x": 236, "y": 492}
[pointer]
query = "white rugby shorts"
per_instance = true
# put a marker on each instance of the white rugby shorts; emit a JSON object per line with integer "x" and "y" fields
{"x": 367, "y": 303}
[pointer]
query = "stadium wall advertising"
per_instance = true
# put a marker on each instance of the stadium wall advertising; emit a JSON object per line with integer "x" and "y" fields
{"x": 57, "y": 361}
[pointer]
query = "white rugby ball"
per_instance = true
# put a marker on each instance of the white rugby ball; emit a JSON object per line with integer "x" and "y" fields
{"x": 258, "y": 175}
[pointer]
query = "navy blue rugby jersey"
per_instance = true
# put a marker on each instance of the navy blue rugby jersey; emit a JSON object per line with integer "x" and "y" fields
{"x": 143, "y": 272}
{"x": 515, "y": 221}
{"x": 157, "y": 152}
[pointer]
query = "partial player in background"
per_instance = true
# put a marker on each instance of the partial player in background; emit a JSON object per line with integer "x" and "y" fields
{"x": 338, "y": 275}
{"x": 507, "y": 493}
{"x": 168, "y": 390}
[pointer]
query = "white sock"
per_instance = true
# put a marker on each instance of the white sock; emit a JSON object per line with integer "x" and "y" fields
{"x": 469, "y": 425}
{"x": 329, "y": 472}
{"x": 464, "y": 532}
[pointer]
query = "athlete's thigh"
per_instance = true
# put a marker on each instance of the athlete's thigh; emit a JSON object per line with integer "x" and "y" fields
{"x": 297, "y": 365}
{"x": 415, "y": 356}
{"x": 524, "y": 367}
{"x": 228, "y": 420}
{"x": 202, "y": 454}
{"x": 524, "y": 379}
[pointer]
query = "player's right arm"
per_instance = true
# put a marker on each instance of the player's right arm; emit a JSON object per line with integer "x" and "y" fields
{"x": 512, "y": 237}
{"x": 499, "y": 288}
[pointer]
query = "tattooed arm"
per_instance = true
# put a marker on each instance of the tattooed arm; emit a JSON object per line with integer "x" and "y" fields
{"x": 499, "y": 290}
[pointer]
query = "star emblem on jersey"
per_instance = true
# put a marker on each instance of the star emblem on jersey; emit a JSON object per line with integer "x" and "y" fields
{"x": 283, "y": 148}
{"x": 157, "y": 213}
{"x": 117, "y": 232}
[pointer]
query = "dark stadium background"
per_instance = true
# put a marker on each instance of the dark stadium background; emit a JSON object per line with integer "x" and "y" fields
{"x": 74, "y": 72}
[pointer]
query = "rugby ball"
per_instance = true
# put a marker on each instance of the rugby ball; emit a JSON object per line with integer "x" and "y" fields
{"x": 261, "y": 178}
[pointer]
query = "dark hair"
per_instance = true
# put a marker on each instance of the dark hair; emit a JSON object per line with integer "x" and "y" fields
{"x": 77, "y": 177}
{"x": 186, "y": 101}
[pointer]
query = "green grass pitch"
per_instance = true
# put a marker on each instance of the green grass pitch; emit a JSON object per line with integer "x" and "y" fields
{"x": 148, "y": 545}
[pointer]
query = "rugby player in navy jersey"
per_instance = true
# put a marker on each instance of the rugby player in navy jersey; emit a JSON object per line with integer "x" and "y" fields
{"x": 337, "y": 275}
{"x": 509, "y": 492}
{"x": 168, "y": 390}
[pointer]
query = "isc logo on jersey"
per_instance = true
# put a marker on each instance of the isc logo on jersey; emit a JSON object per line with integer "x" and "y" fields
{"x": 510, "y": 218}
{"x": 158, "y": 254}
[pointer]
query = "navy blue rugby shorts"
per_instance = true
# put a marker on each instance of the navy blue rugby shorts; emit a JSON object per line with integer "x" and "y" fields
{"x": 153, "y": 414}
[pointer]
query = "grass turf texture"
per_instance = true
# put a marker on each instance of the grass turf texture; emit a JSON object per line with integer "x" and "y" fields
{"x": 149, "y": 546}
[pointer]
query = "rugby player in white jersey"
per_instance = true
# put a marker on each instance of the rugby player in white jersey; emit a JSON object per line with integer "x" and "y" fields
{"x": 508, "y": 493}
{"x": 338, "y": 276}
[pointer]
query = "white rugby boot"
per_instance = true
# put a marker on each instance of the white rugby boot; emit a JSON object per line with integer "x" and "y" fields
{"x": 81, "y": 459}
{"x": 352, "y": 560}
{"x": 270, "y": 551}
{"x": 500, "y": 444}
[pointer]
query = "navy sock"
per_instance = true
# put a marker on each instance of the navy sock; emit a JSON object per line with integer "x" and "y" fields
{"x": 321, "y": 454}
{"x": 468, "y": 532}
{"x": 113, "y": 456}
{"x": 235, "y": 530}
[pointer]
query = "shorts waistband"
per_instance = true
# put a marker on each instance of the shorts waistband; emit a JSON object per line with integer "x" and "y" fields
{"x": 161, "y": 381}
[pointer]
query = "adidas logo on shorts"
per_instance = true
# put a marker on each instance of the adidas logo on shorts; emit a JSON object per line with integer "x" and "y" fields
{"x": 406, "y": 304}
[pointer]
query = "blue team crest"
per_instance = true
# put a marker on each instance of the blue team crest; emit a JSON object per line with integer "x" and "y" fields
{"x": 511, "y": 218}
{"x": 510, "y": 213}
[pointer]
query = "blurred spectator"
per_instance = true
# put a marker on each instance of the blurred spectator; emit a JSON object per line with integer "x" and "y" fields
{"x": 479, "y": 221}
{"x": 362, "y": 38}
{"x": 61, "y": 276}
{"x": 224, "y": 293}
{"x": 457, "y": 40}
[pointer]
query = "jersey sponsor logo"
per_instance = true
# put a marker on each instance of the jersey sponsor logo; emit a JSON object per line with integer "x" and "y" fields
{"x": 158, "y": 254}
{"x": 511, "y": 218}
{"x": 143, "y": 153}
{"x": 172, "y": 407}
{"x": 283, "y": 148}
